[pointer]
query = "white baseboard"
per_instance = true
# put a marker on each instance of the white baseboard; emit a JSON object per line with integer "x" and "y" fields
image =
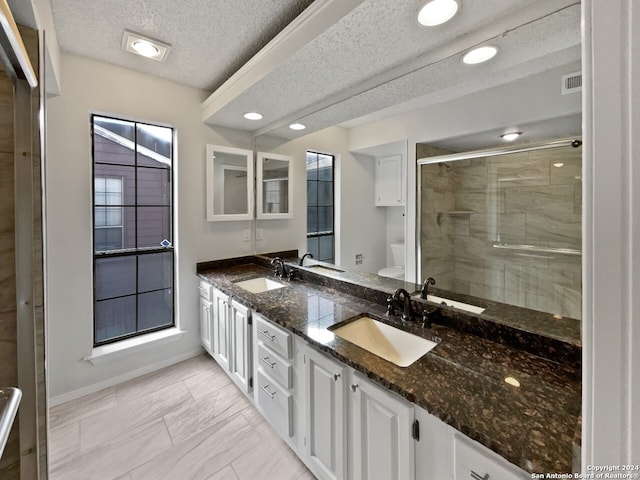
{"x": 96, "y": 387}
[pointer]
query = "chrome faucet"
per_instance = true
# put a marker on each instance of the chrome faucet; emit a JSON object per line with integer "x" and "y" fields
{"x": 425, "y": 287}
{"x": 303, "y": 257}
{"x": 400, "y": 299}
{"x": 278, "y": 267}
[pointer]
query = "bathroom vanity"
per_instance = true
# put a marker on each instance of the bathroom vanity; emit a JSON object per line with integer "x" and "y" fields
{"x": 491, "y": 398}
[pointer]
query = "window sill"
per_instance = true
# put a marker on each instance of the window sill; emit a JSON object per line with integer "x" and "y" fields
{"x": 133, "y": 345}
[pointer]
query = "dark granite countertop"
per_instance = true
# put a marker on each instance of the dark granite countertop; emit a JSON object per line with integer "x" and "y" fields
{"x": 461, "y": 381}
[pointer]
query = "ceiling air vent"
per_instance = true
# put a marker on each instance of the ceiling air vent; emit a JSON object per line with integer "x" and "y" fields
{"x": 571, "y": 83}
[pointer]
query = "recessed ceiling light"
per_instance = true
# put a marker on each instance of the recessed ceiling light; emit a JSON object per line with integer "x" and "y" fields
{"x": 144, "y": 48}
{"x": 297, "y": 126}
{"x": 437, "y": 12}
{"x": 558, "y": 165}
{"x": 510, "y": 137}
{"x": 147, "y": 47}
{"x": 480, "y": 54}
{"x": 253, "y": 116}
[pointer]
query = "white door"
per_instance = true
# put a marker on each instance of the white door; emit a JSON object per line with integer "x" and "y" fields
{"x": 240, "y": 364}
{"x": 325, "y": 416}
{"x": 205, "y": 325}
{"x": 381, "y": 442}
{"x": 221, "y": 328}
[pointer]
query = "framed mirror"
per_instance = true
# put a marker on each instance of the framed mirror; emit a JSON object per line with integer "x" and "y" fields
{"x": 274, "y": 189}
{"x": 229, "y": 183}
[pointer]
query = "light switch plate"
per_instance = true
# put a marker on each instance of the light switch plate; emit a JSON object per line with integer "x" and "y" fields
{"x": 246, "y": 234}
{"x": 259, "y": 234}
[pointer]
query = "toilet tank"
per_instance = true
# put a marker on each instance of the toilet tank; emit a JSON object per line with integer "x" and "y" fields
{"x": 397, "y": 254}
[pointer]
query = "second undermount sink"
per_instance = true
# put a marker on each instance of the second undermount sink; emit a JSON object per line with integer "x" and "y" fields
{"x": 323, "y": 269}
{"x": 259, "y": 285}
{"x": 386, "y": 341}
{"x": 452, "y": 303}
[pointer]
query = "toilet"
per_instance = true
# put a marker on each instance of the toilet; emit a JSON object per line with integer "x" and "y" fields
{"x": 397, "y": 271}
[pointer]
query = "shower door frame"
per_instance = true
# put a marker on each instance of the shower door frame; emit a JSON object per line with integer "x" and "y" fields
{"x": 575, "y": 141}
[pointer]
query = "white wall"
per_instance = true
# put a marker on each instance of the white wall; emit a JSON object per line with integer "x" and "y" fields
{"x": 463, "y": 116}
{"x": 395, "y": 229}
{"x": 91, "y": 86}
{"x": 361, "y": 224}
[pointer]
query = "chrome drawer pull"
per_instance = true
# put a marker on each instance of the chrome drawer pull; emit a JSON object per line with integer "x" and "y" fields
{"x": 336, "y": 376}
{"x": 266, "y": 361}
{"x": 354, "y": 386}
{"x": 266, "y": 390}
{"x": 476, "y": 476}
{"x": 266, "y": 334}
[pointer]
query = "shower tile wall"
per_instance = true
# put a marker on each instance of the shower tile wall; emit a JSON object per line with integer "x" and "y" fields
{"x": 471, "y": 206}
{"x": 12, "y": 466}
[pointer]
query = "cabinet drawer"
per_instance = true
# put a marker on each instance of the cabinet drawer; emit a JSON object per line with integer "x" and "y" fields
{"x": 205, "y": 290}
{"x": 276, "y": 338}
{"x": 274, "y": 365}
{"x": 475, "y": 462}
{"x": 276, "y": 404}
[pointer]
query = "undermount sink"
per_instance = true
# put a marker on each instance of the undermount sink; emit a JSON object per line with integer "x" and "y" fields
{"x": 259, "y": 285}
{"x": 322, "y": 268}
{"x": 390, "y": 343}
{"x": 452, "y": 303}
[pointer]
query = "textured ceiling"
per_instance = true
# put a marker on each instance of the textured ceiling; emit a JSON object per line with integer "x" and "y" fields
{"x": 536, "y": 47}
{"x": 210, "y": 39}
{"x": 375, "y": 61}
{"x": 357, "y": 54}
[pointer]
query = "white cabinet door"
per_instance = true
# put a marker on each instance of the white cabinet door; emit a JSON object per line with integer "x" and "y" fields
{"x": 381, "y": 442}
{"x": 240, "y": 337}
{"x": 221, "y": 346}
{"x": 389, "y": 181}
{"x": 205, "y": 325}
{"x": 325, "y": 416}
{"x": 434, "y": 448}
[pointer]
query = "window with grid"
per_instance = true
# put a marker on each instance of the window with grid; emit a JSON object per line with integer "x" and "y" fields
{"x": 320, "y": 206}
{"x": 133, "y": 260}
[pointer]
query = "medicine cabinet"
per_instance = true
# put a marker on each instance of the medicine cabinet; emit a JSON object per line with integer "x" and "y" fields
{"x": 274, "y": 186}
{"x": 229, "y": 173}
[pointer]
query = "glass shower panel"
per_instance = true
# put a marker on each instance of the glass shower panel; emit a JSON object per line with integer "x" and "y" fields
{"x": 506, "y": 228}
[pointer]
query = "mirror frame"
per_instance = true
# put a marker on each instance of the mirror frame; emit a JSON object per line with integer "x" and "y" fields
{"x": 210, "y": 209}
{"x": 261, "y": 215}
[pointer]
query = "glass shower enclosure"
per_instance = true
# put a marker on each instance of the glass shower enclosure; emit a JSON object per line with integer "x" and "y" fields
{"x": 504, "y": 224}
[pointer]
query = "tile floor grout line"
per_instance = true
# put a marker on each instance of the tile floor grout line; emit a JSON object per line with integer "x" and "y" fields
{"x": 214, "y": 379}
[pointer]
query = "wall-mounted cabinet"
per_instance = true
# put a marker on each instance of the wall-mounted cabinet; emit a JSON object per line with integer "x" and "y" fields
{"x": 229, "y": 177}
{"x": 274, "y": 186}
{"x": 231, "y": 186}
{"x": 389, "y": 184}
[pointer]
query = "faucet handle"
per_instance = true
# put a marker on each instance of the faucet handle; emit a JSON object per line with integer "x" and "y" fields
{"x": 390, "y": 305}
{"x": 426, "y": 321}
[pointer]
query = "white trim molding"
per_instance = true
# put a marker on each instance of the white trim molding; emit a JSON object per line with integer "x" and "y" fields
{"x": 611, "y": 240}
{"x": 133, "y": 345}
{"x": 110, "y": 382}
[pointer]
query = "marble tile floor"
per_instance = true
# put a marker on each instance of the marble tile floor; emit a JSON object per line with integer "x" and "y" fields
{"x": 184, "y": 422}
